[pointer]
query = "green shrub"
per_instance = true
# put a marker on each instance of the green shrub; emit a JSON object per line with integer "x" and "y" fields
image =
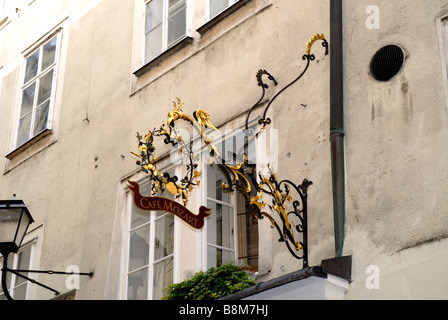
{"x": 212, "y": 284}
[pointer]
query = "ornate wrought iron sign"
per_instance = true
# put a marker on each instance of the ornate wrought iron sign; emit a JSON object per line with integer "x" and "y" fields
{"x": 241, "y": 176}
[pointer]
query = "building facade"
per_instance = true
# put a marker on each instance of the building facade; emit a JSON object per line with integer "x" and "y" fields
{"x": 79, "y": 79}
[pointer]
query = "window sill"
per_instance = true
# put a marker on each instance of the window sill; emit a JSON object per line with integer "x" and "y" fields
{"x": 220, "y": 17}
{"x": 4, "y": 21}
{"x": 163, "y": 56}
{"x": 212, "y": 30}
{"x": 28, "y": 144}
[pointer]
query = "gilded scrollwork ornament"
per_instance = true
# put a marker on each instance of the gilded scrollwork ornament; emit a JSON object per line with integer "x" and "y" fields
{"x": 287, "y": 213}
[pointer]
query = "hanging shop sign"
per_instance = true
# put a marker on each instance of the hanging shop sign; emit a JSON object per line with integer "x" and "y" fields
{"x": 261, "y": 191}
{"x": 168, "y": 205}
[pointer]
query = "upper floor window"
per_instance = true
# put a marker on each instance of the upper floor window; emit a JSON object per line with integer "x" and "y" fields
{"x": 217, "y": 6}
{"x": 443, "y": 38}
{"x": 38, "y": 89}
{"x": 165, "y": 25}
{"x": 2, "y": 8}
{"x": 5, "y": 12}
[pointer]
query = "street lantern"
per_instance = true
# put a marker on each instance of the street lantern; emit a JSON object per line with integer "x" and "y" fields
{"x": 14, "y": 222}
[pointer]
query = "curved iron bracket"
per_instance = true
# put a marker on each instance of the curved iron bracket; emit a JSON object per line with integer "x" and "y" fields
{"x": 308, "y": 57}
{"x": 293, "y": 214}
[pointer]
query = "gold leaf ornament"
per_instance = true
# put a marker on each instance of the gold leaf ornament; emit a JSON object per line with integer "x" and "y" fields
{"x": 171, "y": 187}
{"x": 310, "y": 43}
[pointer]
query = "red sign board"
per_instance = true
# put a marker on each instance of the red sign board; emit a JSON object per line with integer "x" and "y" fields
{"x": 164, "y": 204}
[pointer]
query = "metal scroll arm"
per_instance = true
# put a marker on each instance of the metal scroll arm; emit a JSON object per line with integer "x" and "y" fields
{"x": 280, "y": 193}
{"x": 17, "y": 273}
{"x": 263, "y": 86}
{"x": 308, "y": 56}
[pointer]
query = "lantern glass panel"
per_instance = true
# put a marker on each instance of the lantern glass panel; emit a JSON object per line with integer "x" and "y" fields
{"x": 9, "y": 221}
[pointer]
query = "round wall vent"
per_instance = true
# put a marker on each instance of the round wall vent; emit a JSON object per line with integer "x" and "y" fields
{"x": 387, "y": 62}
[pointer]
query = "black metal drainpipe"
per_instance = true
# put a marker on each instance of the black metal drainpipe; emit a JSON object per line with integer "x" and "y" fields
{"x": 337, "y": 132}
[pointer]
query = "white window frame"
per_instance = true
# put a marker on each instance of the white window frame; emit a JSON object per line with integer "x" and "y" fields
{"x": 54, "y": 67}
{"x": 207, "y": 8}
{"x": 442, "y": 26}
{"x": 198, "y": 24}
{"x": 165, "y": 17}
{"x": 232, "y": 204}
{"x": 151, "y": 261}
{"x": 4, "y": 10}
{"x": 32, "y": 238}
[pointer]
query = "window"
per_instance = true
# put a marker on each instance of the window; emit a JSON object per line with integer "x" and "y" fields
{"x": 5, "y": 13}
{"x": 165, "y": 25}
{"x": 18, "y": 286}
{"x": 37, "y": 98}
{"x": 151, "y": 250}
{"x": 221, "y": 223}
{"x": 232, "y": 228}
{"x": 217, "y": 6}
{"x": 167, "y": 33}
{"x": 2, "y": 9}
{"x": 443, "y": 38}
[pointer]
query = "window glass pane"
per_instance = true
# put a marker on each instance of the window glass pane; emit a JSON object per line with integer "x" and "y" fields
{"x": 176, "y": 26}
{"x": 217, "y": 257}
{"x": 8, "y": 276}
{"x": 247, "y": 233}
{"x": 139, "y": 248}
{"x": 138, "y": 285}
{"x": 216, "y": 6}
{"x": 174, "y": 2}
{"x": 41, "y": 119}
{"x": 138, "y": 216}
{"x": 24, "y": 129}
{"x": 28, "y": 99}
{"x": 31, "y": 66}
{"x": 163, "y": 277}
{"x": 220, "y": 225}
{"x": 49, "y": 53}
{"x": 164, "y": 232}
{"x": 24, "y": 257}
{"x": 215, "y": 179}
{"x": 154, "y": 15}
{"x": 153, "y": 46}
{"x": 20, "y": 291}
{"x": 45, "y": 84}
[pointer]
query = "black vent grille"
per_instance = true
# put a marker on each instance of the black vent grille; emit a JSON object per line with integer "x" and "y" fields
{"x": 387, "y": 62}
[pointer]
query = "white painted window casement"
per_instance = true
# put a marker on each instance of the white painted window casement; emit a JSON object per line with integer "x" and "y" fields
{"x": 38, "y": 90}
{"x": 443, "y": 40}
{"x": 231, "y": 232}
{"x": 5, "y": 12}
{"x": 169, "y": 32}
{"x": 221, "y": 233}
{"x": 18, "y": 286}
{"x": 165, "y": 25}
{"x": 27, "y": 258}
{"x": 151, "y": 247}
{"x": 215, "y": 7}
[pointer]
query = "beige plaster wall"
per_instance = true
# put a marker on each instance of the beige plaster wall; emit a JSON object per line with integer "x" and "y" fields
{"x": 396, "y": 151}
{"x": 395, "y": 134}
